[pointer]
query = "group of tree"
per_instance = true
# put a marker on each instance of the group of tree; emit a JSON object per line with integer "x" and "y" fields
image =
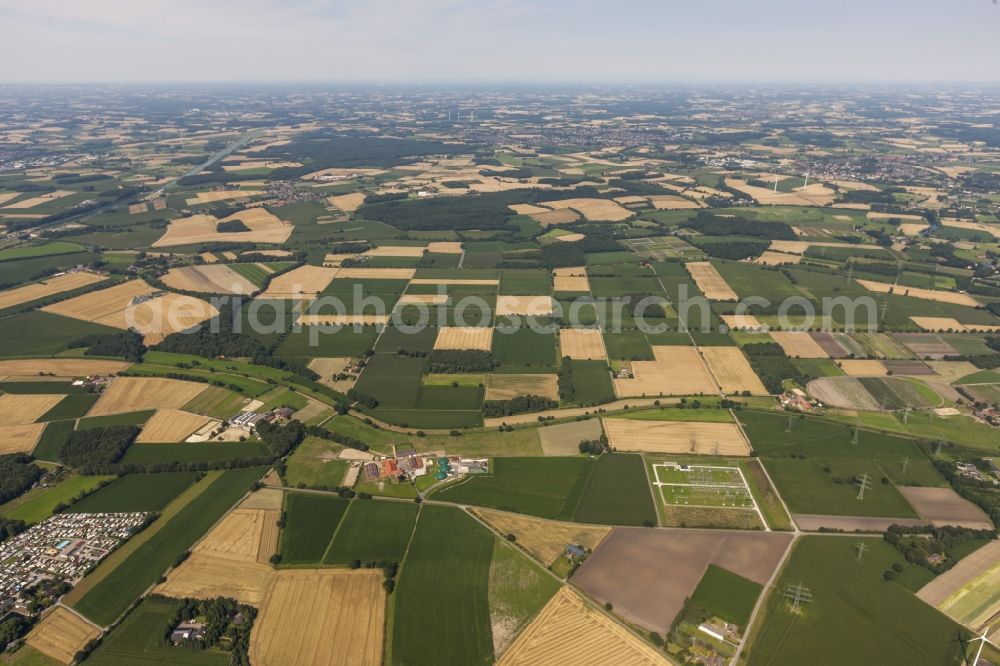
{"x": 450, "y": 361}
{"x": 17, "y": 475}
{"x": 281, "y": 439}
{"x": 518, "y": 405}
{"x": 773, "y": 366}
{"x": 128, "y": 345}
{"x": 97, "y": 448}
{"x": 931, "y": 547}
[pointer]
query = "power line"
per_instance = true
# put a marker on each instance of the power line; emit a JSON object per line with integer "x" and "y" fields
{"x": 862, "y": 548}
{"x": 863, "y": 484}
{"x": 798, "y": 594}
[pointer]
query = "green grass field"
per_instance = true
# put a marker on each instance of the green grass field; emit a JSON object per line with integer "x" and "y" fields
{"x": 807, "y": 488}
{"x": 627, "y": 345}
{"x": 37, "y": 504}
{"x": 855, "y": 617}
{"x": 139, "y": 640}
{"x": 192, "y": 452}
{"x": 591, "y": 382}
{"x": 310, "y": 521}
{"x": 314, "y": 464}
{"x": 518, "y": 588}
{"x": 42, "y": 334}
{"x": 543, "y": 487}
{"x": 442, "y": 609}
{"x": 312, "y": 342}
{"x": 135, "y": 492}
{"x": 51, "y": 442}
{"x": 727, "y": 595}
{"x": 70, "y": 407}
{"x": 216, "y": 402}
{"x": 372, "y": 531}
{"x": 127, "y": 418}
{"x": 39, "y": 250}
{"x": 617, "y": 493}
{"x": 108, "y": 598}
{"x": 524, "y": 350}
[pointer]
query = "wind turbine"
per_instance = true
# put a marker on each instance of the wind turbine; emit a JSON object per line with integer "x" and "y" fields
{"x": 982, "y": 643}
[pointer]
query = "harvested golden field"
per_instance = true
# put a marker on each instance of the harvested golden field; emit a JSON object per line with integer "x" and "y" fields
{"x": 316, "y": 618}
{"x": 677, "y": 370}
{"x": 556, "y": 217}
{"x": 341, "y": 320}
{"x": 264, "y": 228}
{"x": 211, "y": 279}
{"x": 464, "y": 337}
{"x": 815, "y": 194}
{"x": 222, "y": 195}
{"x": 19, "y": 438}
{"x": 22, "y": 409}
{"x": 570, "y": 279}
{"x": 327, "y": 367}
{"x": 742, "y": 322}
{"x": 678, "y": 437}
{"x": 777, "y": 258}
{"x": 913, "y": 228}
{"x": 7, "y": 196}
{"x": 159, "y": 317}
{"x": 134, "y": 394}
{"x": 208, "y": 258}
{"x": 208, "y": 575}
{"x": 582, "y": 344}
{"x": 61, "y": 367}
{"x": 916, "y": 292}
{"x": 239, "y": 535}
{"x": 425, "y": 299}
{"x": 396, "y": 251}
{"x": 570, "y": 631}
{"x": 348, "y": 203}
{"x": 171, "y": 425}
{"x": 303, "y": 282}
{"x": 594, "y": 210}
{"x": 732, "y": 371}
{"x": 47, "y": 287}
{"x": 710, "y": 282}
{"x": 798, "y": 247}
{"x": 106, "y": 306}
{"x": 445, "y": 247}
{"x": 672, "y": 202}
{"x": 862, "y": 367}
{"x": 521, "y": 209}
{"x": 508, "y": 387}
{"x": 39, "y": 200}
{"x": 334, "y": 260}
{"x": 259, "y": 164}
{"x": 570, "y": 238}
{"x": 872, "y": 215}
{"x": 61, "y": 634}
{"x": 992, "y": 229}
{"x": 524, "y": 305}
{"x": 377, "y": 273}
{"x": 938, "y": 323}
{"x": 544, "y": 539}
{"x": 269, "y": 499}
{"x": 798, "y": 344}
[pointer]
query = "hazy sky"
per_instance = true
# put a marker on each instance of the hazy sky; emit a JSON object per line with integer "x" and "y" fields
{"x": 499, "y": 40}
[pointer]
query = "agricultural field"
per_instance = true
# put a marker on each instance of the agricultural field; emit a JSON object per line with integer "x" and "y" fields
{"x": 319, "y": 247}
{"x": 373, "y": 531}
{"x": 135, "y": 492}
{"x": 310, "y": 521}
{"x": 622, "y": 570}
{"x": 447, "y": 545}
{"x": 836, "y": 626}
